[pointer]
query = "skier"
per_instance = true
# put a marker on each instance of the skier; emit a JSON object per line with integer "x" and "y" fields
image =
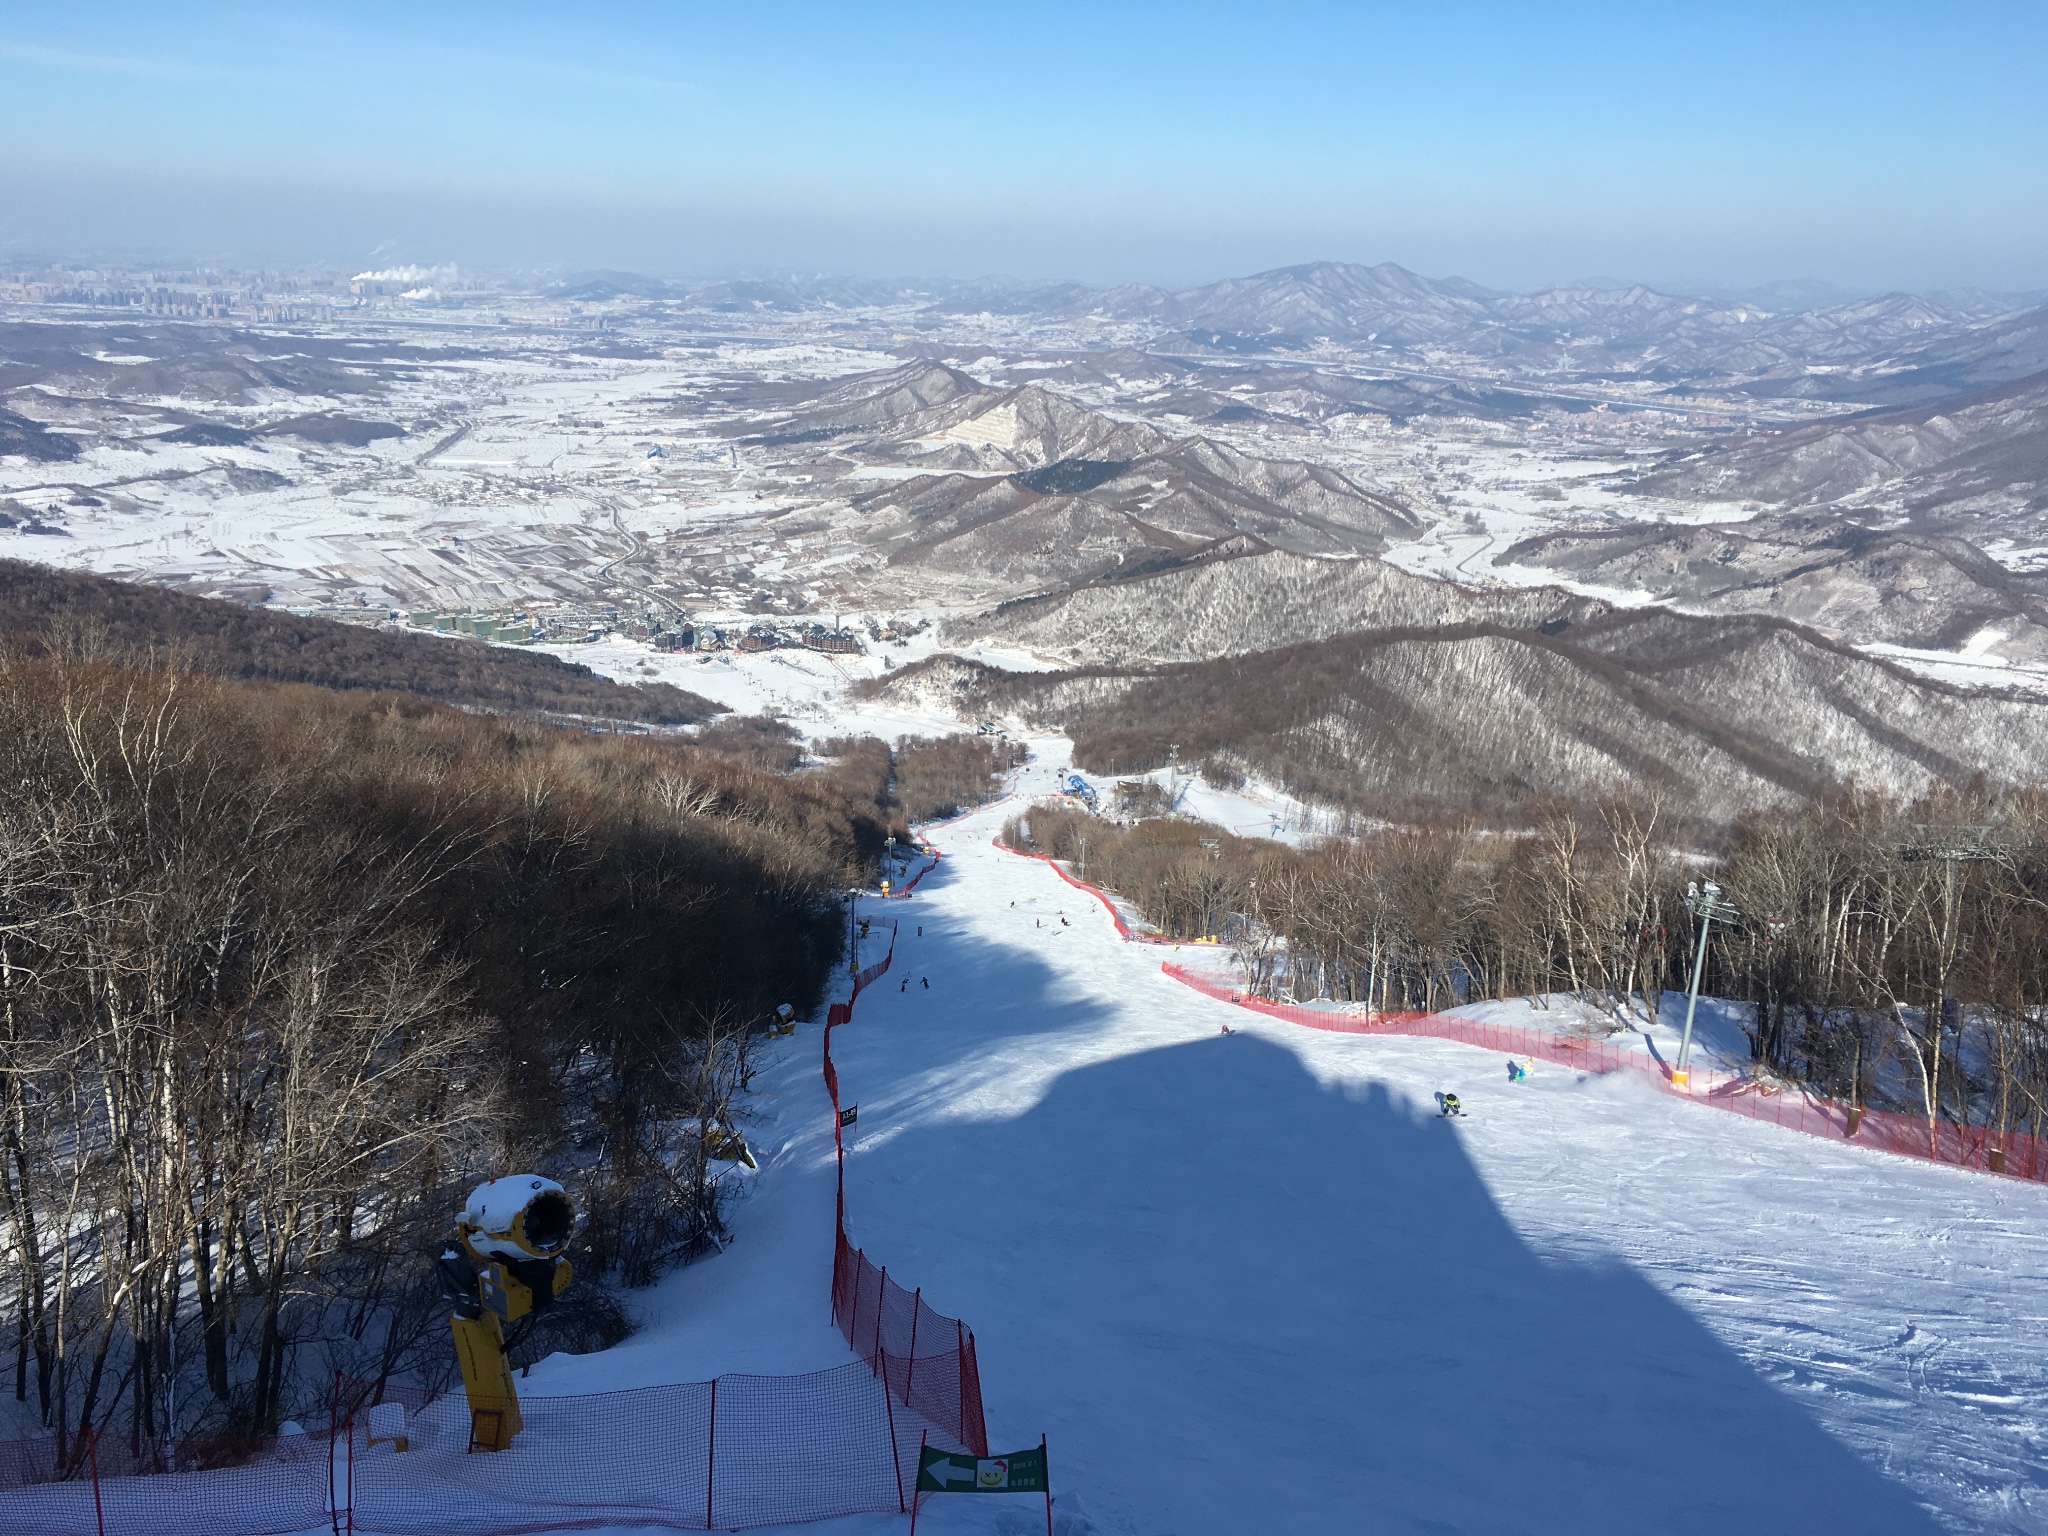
{"x": 1065, "y": 924}
{"x": 1447, "y": 1105}
{"x": 927, "y": 982}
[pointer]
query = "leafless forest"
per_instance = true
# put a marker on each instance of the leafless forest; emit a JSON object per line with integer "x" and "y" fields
{"x": 938, "y": 776}
{"x": 234, "y": 641}
{"x": 283, "y": 970}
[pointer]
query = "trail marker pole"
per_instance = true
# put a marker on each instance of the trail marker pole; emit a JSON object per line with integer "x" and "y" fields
{"x": 915, "y": 1496}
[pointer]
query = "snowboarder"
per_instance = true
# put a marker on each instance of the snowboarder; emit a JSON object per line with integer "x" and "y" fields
{"x": 1065, "y": 924}
{"x": 927, "y": 982}
{"x": 920, "y": 930}
{"x": 1516, "y": 1071}
{"x": 1447, "y": 1104}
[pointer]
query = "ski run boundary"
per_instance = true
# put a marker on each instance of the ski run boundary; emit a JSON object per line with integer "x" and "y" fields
{"x": 1981, "y": 1149}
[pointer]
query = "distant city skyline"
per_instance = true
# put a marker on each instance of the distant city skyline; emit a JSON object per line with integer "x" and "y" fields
{"x": 1860, "y": 148}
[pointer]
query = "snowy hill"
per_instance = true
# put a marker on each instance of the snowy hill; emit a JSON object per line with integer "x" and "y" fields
{"x": 1719, "y": 714}
{"x": 1973, "y": 464}
{"x": 1252, "y": 603}
{"x": 1858, "y": 584}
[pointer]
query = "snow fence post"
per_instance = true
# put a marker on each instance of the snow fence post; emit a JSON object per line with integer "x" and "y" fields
{"x": 1045, "y": 1461}
{"x": 922, "y": 1437}
{"x": 960, "y": 1370}
{"x": 710, "y": 1452}
{"x": 333, "y": 1429}
{"x": 895, "y": 1455}
{"x": 910, "y": 1369}
{"x": 881, "y": 1295}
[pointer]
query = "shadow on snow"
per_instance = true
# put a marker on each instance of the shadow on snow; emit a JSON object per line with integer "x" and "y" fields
{"x": 1243, "y": 1301}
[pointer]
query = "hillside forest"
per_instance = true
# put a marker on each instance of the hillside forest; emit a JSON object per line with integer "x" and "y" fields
{"x": 284, "y": 971}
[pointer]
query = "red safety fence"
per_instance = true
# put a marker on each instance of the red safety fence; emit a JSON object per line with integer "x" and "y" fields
{"x": 911, "y": 884}
{"x": 2016, "y": 1154}
{"x": 730, "y": 1454}
{"x": 926, "y": 1358}
{"x": 1515, "y": 1040}
{"x": 735, "y": 1453}
{"x": 1116, "y": 917}
{"x": 89, "y": 1485}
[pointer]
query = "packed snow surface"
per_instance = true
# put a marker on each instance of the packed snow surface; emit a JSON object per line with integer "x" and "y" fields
{"x": 1251, "y": 1282}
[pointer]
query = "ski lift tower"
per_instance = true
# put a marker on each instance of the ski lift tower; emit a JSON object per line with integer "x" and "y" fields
{"x": 1952, "y": 845}
{"x": 1705, "y": 903}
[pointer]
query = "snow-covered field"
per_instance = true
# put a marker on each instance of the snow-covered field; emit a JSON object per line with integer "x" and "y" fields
{"x": 1249, "y": 1282}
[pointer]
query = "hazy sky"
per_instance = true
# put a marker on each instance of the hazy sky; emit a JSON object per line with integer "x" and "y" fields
{"x": 1868, "y": 145}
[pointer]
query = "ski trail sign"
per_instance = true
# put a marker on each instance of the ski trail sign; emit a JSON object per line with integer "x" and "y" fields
{"x": 1019, "y": 1472}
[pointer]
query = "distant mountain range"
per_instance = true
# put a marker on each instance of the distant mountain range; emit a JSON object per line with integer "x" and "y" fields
{"x": 1893, "y": 349}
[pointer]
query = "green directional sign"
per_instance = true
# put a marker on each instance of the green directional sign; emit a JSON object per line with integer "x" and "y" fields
{"x": 1019, "y": 1472}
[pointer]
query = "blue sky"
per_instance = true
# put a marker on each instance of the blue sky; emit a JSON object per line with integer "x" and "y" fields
{"x": 1868, "y": 145}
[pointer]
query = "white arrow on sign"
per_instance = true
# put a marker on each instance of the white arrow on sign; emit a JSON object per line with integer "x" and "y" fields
{"x": 951, "y": 1474}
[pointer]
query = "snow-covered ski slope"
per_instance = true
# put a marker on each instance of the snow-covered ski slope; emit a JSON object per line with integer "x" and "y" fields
{"x": 1251, "y": 1282}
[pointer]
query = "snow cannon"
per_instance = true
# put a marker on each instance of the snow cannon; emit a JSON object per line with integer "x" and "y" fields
{"x": 507, "y": 1264}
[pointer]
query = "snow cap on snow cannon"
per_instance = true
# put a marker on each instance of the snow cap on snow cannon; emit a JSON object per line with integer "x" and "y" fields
{"x": 517, "y": 1218}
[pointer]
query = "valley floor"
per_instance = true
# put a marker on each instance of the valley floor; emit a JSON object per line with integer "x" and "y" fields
{"x": 1250, "y": 1282}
